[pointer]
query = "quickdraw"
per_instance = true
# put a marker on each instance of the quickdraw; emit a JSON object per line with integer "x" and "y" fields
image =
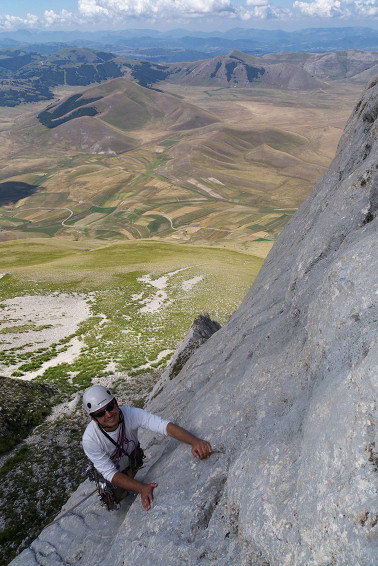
{"x": 107, "y": 493}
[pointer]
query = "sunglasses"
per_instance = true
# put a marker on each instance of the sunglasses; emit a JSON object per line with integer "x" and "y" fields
{"x": 109, "y": 407}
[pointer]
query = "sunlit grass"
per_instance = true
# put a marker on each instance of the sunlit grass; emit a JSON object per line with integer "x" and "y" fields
{"x": 120, "y": 330}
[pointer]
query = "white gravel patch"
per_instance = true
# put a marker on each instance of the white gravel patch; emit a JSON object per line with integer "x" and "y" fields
{"x": 189, "y": 283}
{"x": 42, "y": 320}
{"x": 73, "y": 351}
{"x": 153, "y": 304}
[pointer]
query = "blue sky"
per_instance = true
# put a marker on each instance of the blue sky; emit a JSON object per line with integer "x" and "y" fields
{"x": 193, "y": 14}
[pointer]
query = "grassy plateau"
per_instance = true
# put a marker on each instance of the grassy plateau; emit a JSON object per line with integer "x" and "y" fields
{"x": 142, "y": 297}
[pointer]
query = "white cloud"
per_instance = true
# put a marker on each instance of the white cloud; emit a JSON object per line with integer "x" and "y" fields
{"x": 8, "y": 22}
{"x": 152, "y": 8}
{"x": 118, "y": 13}
{"x": 31, "y": 21}
{"x": 92, "y": 8}
{"x": 337, "y": 8}
{"x": 365, "y": 7}
{"x": 51, "y": 17}
{"x": 122, "y": 10}
{"x": 263, "y": 10}
{"x": 322, "y": 8}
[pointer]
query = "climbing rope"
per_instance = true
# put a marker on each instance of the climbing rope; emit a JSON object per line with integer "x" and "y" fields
{"x": 72, "y": 508}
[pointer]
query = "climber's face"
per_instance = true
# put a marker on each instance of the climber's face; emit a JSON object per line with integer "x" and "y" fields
{"x": 108, "y": 416}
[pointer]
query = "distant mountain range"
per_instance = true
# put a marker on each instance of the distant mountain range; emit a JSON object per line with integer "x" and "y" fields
{"x": 184, "y": 45}
{"x": 29, "y": 76}
{"x": 282, "y": 70}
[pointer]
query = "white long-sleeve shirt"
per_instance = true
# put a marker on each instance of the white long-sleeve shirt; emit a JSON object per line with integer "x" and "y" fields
{"x": 98, "y": 448}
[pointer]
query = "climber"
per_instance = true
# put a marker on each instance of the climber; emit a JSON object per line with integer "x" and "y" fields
{"x": 111, "y": 440}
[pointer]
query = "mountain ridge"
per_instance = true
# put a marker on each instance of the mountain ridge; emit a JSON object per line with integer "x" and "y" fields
{"x": 137, "y": 41}
{"x": 28, "y": 77}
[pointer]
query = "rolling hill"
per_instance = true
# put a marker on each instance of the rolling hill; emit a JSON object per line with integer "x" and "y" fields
{"x": 29, "y": 77}
{"x": 220, "y": 166}
{"x": 105, "y": 118}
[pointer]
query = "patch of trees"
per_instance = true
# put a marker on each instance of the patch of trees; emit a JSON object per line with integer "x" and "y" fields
{"x": 146, "y": 73}
{"x": 49, "y": 77}
{"x": 10, "y": 98}
{"x": 254, "y": 72}
{"x": 86, "y": 74}
{"x": 230, "y": 67}
{"x": 14, "y": 60}
{"x": 13, "y": 191}
{"x": 104, "y": 55}
{"x": 13, "y": 96}
{"x": 73, "y": 107}
{"x": 218, "y": 66}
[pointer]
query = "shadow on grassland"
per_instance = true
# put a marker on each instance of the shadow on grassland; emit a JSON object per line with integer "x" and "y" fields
{"x": 13, "y": 191}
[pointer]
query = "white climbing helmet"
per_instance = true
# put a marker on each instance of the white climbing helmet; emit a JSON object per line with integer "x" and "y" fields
{"x": 95, "y": 398}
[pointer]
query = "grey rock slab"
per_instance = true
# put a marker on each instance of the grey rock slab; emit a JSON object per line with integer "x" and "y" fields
{"x": 83, "y": 529}
{"x": 286, "y": 392}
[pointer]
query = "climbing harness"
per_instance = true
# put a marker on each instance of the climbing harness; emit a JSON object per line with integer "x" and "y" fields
{"x": 106, "y": 491}
{"x": 109, "y": 494}
{"x": 122, "y": 447}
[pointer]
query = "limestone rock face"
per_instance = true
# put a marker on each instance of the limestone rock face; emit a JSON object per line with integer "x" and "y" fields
{"x": 286, "y": 393}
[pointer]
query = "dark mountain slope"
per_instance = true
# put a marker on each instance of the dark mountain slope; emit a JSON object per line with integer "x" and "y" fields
{"x": 29, "y": 77}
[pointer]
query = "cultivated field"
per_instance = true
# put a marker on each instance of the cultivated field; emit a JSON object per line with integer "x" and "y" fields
{"x": 218, "y": 167}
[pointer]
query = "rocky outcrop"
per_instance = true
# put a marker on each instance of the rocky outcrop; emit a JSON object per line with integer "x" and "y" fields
{"x": 285, "y": 392}
{"x": 200, "y": 331}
